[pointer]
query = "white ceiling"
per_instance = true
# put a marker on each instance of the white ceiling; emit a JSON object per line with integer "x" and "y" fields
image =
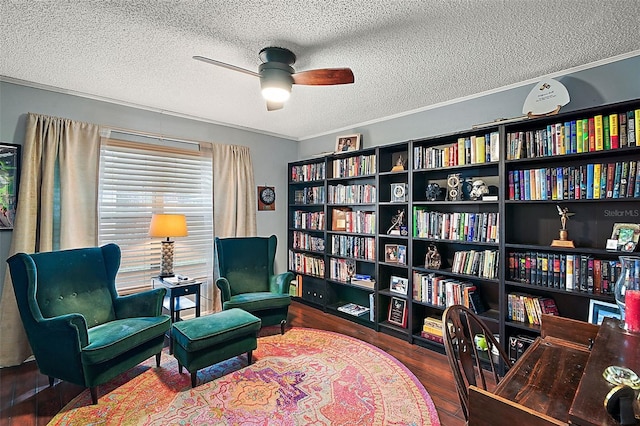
{"x": 405, "y": 54}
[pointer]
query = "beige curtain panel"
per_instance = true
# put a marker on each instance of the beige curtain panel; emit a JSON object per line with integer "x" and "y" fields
{"x": 52, "y": 147}
{"x": 234, "y": 195}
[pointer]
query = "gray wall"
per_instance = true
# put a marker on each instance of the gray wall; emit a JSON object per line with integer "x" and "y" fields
{"x": 613, "y": 82}
{"x": 609, "y": 83}
{"x": 17, "y": 100}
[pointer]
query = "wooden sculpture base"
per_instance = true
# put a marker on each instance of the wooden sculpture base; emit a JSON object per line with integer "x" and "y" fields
{"x": 563, "y": 241}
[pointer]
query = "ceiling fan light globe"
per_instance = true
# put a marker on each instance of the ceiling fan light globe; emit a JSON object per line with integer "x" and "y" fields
{"x": 275, "y": 94}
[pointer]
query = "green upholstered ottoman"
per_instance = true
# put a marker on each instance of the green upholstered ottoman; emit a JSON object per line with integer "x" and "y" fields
{"x": 204, "y": 341}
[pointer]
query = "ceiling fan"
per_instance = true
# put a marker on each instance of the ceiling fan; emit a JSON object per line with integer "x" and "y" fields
{"x": 277, "y": 75}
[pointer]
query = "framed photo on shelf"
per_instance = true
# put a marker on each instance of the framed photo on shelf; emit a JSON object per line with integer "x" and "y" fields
{"x": 398, "y": 312}
{"x": 348, "y": 143}
{"x": 339, "y": 219}
{"x": 399, "y": 161}
{"x": 399, "y": 285}
{"x": 9, "y": 179}
{"x": 402, "y": 255}
{"x": 391, "y": 253}
{"x": 626, "y": 235}
{"x": 598, "y": 311}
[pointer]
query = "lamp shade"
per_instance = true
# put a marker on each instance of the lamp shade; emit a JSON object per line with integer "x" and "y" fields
{"x": 168, "y": 225}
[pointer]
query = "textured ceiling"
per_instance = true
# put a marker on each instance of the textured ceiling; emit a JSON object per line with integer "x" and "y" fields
{"x": 405, "y": 55}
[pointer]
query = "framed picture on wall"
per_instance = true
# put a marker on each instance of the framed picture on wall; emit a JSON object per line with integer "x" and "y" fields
{"x": 9, "y": 180}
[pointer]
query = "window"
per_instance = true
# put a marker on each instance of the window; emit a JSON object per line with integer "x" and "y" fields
{"x": 139, "y": 179}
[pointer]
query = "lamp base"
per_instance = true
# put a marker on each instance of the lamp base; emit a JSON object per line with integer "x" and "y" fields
{"x": 166, "y": 263}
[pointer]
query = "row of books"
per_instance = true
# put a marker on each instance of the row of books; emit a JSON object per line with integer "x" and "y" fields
{"x": 304, "y": 241}
{"x": 311, "y": 195}
{"x": 483, "y": 263}
{"x": 458, "y": 226}
{"x": 564, "y": 271}
{"x": 308, "y": 172}
{"x": 597, "y": 133}
{"x": 341, "y": 269}
{"x": 308, "y": 220}
{"x": 306, "y": 264}
{"x": 352, "y": 194}
{"x": 432, "y": 329}
{"x": 444, "y": 291}
{"x": 518, "y": 344}
{"x": 529, "y": 309}
{"x": 585, "y": 182}
{"x": 359, "y": 221}
{"x": 470, "y": 150}
{"x": 360, "y": 165}
{"x": 353, "y": 246}
{"x": 295, "y": 287}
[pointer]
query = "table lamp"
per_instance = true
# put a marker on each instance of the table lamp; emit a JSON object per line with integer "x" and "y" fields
{"x": 167, "y": 225}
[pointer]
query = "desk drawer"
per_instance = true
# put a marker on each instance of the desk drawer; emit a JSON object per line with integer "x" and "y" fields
{"x": 182, "y": 290}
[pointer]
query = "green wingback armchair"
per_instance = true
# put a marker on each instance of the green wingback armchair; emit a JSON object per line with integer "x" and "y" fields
{"x": 78, "y": 327}
{"x": 247, "y": 280}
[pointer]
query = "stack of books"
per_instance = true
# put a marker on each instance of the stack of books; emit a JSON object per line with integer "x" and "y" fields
{"x": 432, "y": 329}
{"x": 363, "y": 281}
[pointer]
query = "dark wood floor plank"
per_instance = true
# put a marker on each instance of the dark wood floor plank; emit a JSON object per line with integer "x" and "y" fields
{"x": 28, "y": 400}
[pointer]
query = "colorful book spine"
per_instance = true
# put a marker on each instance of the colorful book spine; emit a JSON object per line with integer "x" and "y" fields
{"x": 598, "y": 135}
{"x": 632, "y": 178}
{"x": 637, "y": 125}
{"x": 573, "y": 136}
{"x": 613, "y": 131}
{"x": 596, "y": 178}
{"x": 606, "y": 137}
{"x": 579, "y": 137}
{"x": 622, "y": 121}
{"x": 631, "y": 129}
{"x": 590, "y": 170}
{"x": 592, "y": 134}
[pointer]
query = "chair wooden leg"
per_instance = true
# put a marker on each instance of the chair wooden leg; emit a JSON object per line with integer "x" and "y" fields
{"x": 194, "y": 376}
{"x": 158, "y": 355}
{"x": 282, "y": 324}
{"x": 179, "y": 368}
{"x": 249, "y": 357}
{"x": 51, "y": 379}
{"x": 94, "y": 394}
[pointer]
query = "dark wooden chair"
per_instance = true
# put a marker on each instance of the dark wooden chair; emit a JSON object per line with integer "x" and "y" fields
{"x": 469, "y": 364}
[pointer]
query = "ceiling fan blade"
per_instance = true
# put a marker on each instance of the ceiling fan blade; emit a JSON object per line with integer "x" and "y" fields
{"x": 324, "y": 77}
{"x": 273, "y": 106}
{"x": 224, "y": 65}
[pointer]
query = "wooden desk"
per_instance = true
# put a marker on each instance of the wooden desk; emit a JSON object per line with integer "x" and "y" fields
{"x": 613, "y": 346}
{"x": 558, "y": 381}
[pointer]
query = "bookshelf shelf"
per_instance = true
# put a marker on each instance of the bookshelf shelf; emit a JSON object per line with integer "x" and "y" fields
{"x": 523, "y": 224}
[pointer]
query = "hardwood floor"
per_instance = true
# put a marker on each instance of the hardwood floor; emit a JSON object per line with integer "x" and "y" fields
{"x": 26, "y": 398}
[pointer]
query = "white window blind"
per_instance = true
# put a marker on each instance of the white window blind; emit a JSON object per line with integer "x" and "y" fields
{"x": 137, "y": 180}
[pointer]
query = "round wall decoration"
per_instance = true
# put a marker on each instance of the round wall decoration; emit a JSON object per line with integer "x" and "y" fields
{"x": 266, "y": 198}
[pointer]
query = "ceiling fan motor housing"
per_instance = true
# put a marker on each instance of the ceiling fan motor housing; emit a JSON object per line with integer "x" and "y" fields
{"x": 276, "y": 74}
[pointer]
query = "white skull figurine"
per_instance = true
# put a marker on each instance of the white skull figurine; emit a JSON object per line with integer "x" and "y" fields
{"x": 478, "y": 189}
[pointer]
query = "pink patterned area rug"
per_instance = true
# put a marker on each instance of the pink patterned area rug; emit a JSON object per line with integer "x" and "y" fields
{"x": 306, "y": 377}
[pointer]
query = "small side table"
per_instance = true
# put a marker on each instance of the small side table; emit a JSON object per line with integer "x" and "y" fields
{"x": 176, "y": 300}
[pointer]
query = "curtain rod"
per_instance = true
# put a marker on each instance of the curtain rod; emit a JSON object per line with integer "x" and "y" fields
{"x": 153, "y": 135}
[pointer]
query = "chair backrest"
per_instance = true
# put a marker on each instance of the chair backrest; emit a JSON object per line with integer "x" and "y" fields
{"x": 82, "y": 281}
{"x": 246, "y": 262}
{"x": 469, "y": 365}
